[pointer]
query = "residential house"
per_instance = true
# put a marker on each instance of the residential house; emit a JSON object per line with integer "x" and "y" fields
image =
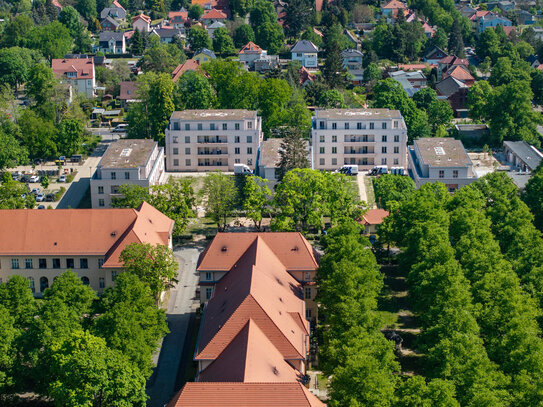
{"x": 188, "y": 65}
{"x": 440, "y": 160}
{"x": 111, "y": 42}
{"x": 476, "y": 17}
{"x": 492, "y": 21}
{"x": 306, "y": 76}
{"x": 434, "y": 54}
{"x": 177, "y": 19}
{"x": 391, "y": 8}
{"x": 269, "y": 160}
{"x": 363, "y": 137}
{"x": 167, "y": 35}
{"x": 41, "y": 245}
{"x": 249, "y": 53}
{"x": 522, "y": 156}
{"x": 213, "y": 16}
{"x": 266, "y": 62}
{"x": 456, "y": 93}
{"x": 118, "y": 13}
{"x": 504, "y": 6}
{"x": 411, "y": 82}
{"x": 126, "y": 162}
{"x": 305, "y": 52}
{"x": 450, "y": 61}
{"x": 214, "y": 26}
{"x": 351, "y": 59}
{"x": 221, "y": 5}
{"x": 461, "y": 73}
{"x": 538, "y": 32}
{"x": 77, "y": 72}
{"x": 109, "y": 24}
{"x": 524, "y": 17}
{"x": 467, "y": 11}
{"x": 204, "y": 55}
{"x": 128, "y": 93}
{"x": 209, "y": 140}
{"x": 56, "y": 4}
{"x": 372, "y": 219}
{"x": 142, "y": 23}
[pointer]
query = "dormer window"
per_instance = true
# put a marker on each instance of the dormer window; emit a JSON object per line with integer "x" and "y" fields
{"x": 71, "y": 74}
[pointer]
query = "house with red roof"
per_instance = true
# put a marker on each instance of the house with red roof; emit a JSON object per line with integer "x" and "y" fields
{"x": 177, "y": 19}
{"x": 391, "y": 8}
{"x": 188, "y": 65}
{"x": 249, "y": 53}
{"x": 372, "y": 219}
{"x": 461, "y": 73}
{"x": 142, "y": 23}
{"x": 213, "y": 16}
{"x": 77, "y": 72}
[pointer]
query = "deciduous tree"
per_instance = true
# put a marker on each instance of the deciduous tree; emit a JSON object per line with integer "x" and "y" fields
{"x": 257, "y": 199}
{"x": 220, "y": 198}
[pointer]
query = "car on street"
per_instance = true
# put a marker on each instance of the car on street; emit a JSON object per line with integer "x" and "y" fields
{"x": 35, "y": 178}
{"x": 40, "y": 197}
{"x": 62, "y": 178}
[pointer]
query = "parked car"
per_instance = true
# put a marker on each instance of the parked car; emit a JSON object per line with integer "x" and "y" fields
{"x": 62, "y": 178}
{"x": 16, "y": 176}
{"x": 49, "y": 198}
{"x": 121, "y": 128}
{"x": 35, "y": 191}
{"x": 25, "y": 178}
{"x": 40, "y": 197}
{"x": 35, "y": 178}
{"x": 41, "y": 206}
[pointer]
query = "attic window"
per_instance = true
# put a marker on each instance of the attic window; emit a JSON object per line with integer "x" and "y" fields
{"x": 439, "y": 150}
{"x": 275, "y": 371}
{"x": 224, "y": 249}
{"x": 55, "y": 243}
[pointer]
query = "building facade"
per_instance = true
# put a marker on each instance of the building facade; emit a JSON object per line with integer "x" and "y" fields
{"x": 209, "y": 140}
{"x": 306, "y": 52}
{"x": 77, "y": 72}
{"x": 128, "y": 161}
{"x": 363, "y": 137}
{"x": 41, "y": 245}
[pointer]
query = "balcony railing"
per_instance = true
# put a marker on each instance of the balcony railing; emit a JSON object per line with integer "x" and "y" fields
{"x": 359, "y": 139}
{"x": 212, "y": 140}
{"x": 358, "y": 151}
{"x": 218, "y": 152}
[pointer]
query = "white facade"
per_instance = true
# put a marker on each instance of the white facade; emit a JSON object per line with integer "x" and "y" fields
{"x": 363, "y": 137}
{"x": 209, "y": 140}
{"x": 118, "y": 168}
{"x": 307, "y": 59}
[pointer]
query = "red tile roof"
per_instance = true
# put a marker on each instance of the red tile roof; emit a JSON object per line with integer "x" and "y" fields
{"x": 56, "y": 4}
{"x": 414, "y": 67}
{"x": 244, "y": 395}
{"x": 453, "y": 60}
{"x": 374, "y": 217}
{"x": 178, "y": 15}
{"x": 128, "y": 90}
{"x": 104, "y": 232}
{"x": 189, "y": 65}
{"x": 143, "y": 17}
{"x": 394, "y": 4}
{"x": 117, "y": 4}
{"x": 214, "y": 14}
{"x": 250, "y": 47}
{"x": 291, "y": 248}
{"x": 459, "y": 72}
{"x": 84, "y": 67}
{"x": 257, "y": 287}
{"x": 305, "y": 75}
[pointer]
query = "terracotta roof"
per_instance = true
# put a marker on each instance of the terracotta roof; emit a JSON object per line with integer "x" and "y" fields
{"x": 305, "y": 75}
{"x": 250, "y": 358}
{"x": 256, "y": 287}
{"x": 180, "y": 16}
{"x": 143, "y": 17}
{"x": 374, "y": 217}
{"x": 479, "y": 13}
{"x": 244, "y": 395}
{"x": 319, "y": 33}
{"x": 128, "y": 90}
{"x": 81, "y": 231}
{"x": 414, "y": 67}
{"x": 203, "y": 3}
{"x": 250, "y": 47}
{"x": 117, "y": 4}
{"x": 509, "y": 29}
{"x": 213, "y": 14}
{"x": 84, "y": 67}
{"x": 128, "y": 34}
{"x": 459, "y": 72}
{"x": 56, "y": 4}
{"x": 291, "y": 248}
{"x": 394, "y": 4}
{"x": 453, "y": 60}
{"x": 189, "y": 65}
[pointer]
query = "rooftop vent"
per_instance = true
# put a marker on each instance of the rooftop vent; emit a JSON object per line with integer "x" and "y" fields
{"x": 55, "y": 243}
{"x": 224, "y": 249}
{"x": 113, "y": 234}
{"x": 294, "y": 249}
{"x": 275, "y": 371}
{"x": 439, "y": 150}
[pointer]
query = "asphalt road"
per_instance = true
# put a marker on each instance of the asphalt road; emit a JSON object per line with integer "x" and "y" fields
{"x": 163, "y": 383}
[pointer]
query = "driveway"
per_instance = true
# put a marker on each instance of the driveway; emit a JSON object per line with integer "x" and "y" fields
{"x": 183, "y": 304}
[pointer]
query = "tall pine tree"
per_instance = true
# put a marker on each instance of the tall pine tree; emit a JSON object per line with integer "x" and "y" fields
{"x": 456, "y": 42}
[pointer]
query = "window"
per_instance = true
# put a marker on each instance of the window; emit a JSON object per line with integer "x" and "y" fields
{"x": 28, "y": 264}
{"x": 307, "y": 276}
{"x": 396, "y": 139}
{"x": 249, "y": 161}
{"x": 69, "y": 263}
{"x": 101, "y": 202}
{"x": 321, "y": 161}
{"x": 187, "y": 126}
{"x": 209, "y": 292}
{"x": 307, "y": 293}
{"x": 383, "y": 161}
{"x": 441, "y": 173}
{"x": 175, "y": 162}
{"x": 395, "y": 124}
{"x": 175, "y": 139}
{"x": 236, "y": 139}
{"x": 372, "y": 126}
{"x": 127, "y": 175}
{"x": 384, "y": 149}
{"x": 249, "y": 150}
{"x": 334, "y": 126}
{"x": 176, "y": 125}
{"x": 42, "y": 263}
{"x": 321, "y": 139}
{"x": 384, "y": 125}
{"x": 334, "y": 139}
{"x": 455, "y": 173}
{"x": 14, "y": 263}
{"x": 199, "y": 126}
{"x": 249, "y": 139}
{"x": 102, "y": 282}
{"x": 31, "y": 284}
{"x": 321, "y": 150}
{"x": 187, "y": 150}
{"x": 83, "y": 263}
{"x": 100, "y": 263}
{"x": 114, "y": 189}
{"x": 187, "y": 139}
{"x": 44, "y": 284}
{"x": 225, "y": 126}
{"x": 321, "y": 125}
{"x": 85, "y": 280}
{"x": 359, "y": 126}
{"x": 334, "y": 161}
{"x": 237, "y": 161}
{"x": 175, "y": 151}
{"x": 249, "y": 125}
{"x": 236, "y": 126}
{"x": 308, "y": 314}
{"x": 346, "y": 126}
{"x": 334, "y": 150}
{"x": 113, "y": 175}
{"x": 56, "y": 263}
{"x": 384, "y": 139}
{"x": 113, "y": 275}
{"x": 208, "y": 276}
{"x": 396, "y": 150}
{"x": 100, "y": 190}
{"x": 212, "y": 126}
{"x": 187, "y": 162}
{"x": 236, "y": 150}
{"x": 396, "y": 161}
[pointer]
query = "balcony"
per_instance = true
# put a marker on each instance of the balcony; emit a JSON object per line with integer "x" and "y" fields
{"x": 359, "y": 151}
{"x": 212, "y": 140}
{"x": 212, "y": 163}
{"x": 359, "y": 139}
{"x": 212, "y": 152}
{"x": 359, "y": 161}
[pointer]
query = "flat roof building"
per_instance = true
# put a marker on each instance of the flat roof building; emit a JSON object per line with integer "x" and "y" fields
{"x": 127, "y": 161}
{"x": 440, "y": 160}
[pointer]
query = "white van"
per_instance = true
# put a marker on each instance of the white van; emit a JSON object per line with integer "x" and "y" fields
{"x": 242, "y": 169}
{"x": 348, "y": 170}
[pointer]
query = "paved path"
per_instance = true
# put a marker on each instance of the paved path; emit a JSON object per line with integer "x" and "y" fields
{"x": 162, "y": 385}
{"x": 360, "y": 179}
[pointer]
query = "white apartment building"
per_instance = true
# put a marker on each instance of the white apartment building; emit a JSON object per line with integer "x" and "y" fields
{"x": 209, "y": 140}
{"x": 135, "y": 162}
{"x": 365, "y": 137}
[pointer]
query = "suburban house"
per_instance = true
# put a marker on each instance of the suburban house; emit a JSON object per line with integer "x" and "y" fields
{"x": 306, "y": 76}
{"x": 126, "y": 161}
{"x": 41, "y": 245}
{"x": 269, "y": 160}
{"x": 167, "y": 35}
{"x": 411, "y": 82}
{"x": 109, "y": 24}
{"x": 204, "y": 55}
{"x": 127, "y": 93}
{"x": 372, "y": 219}
{"x": 351, "y": 59}
{"x": 188, "y": 65}
{"x": 391, "y": 8}
{"x": 209, "y": 140}
{"x": 290, "y": 249}
{"x": 221, "y": 5}
{"x": 177, "y": 19}
{"x": 213, "y": 16}
{"x": 456, "y": 93}
{"x": 434, "y": 55}
{"x": 142, "y": 23}
{"x": 212, "y": 27}
{"x": 118, "y": 13}
{"x": 524, "y": 17}
{"x": 305, "y": 52}
{"x": 266, "y": 62}
{"x": 467, "y": 11}
{"x": 522, "y": 156}
{"x": 440, "y": 160}
{"x": 77, "y": 72}
{"x": 251, "y": 53}
{"x": 363, "y": 137}
{"x": 502, "y": 5}
{"x": 451, "y": 61}
{"x": 491, "y": 21}
{"x": 111, "y": 42}
{"x": 460, "y": 73}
